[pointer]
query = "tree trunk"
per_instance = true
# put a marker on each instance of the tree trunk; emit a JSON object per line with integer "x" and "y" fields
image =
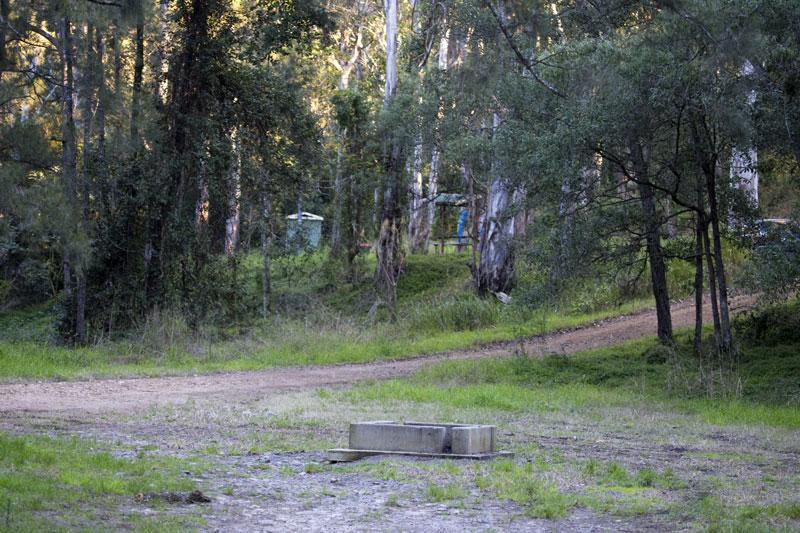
{"x": 698, "y": 281}
{"x": 346, "y": 68}
{"x": 433, "y": 192}
{"x": 712, "y": 286}
{"x": 69, "y": 168}
{"x": 234, "y": 193}
{"x": 416, "y": 212}
{"x": 722, "y": 285}
{"x": 162, "y": 65}
{"x": 338, "y": 200}
{"x": 389, "y": 245}
{"x": 136, "y": 98}
{"x": 102, "y": 97}
{"x": 744, "y": 174}
{"x": 433, "y": 175}
{"x": 86, "y": 176}
{"x": 115, "y": 47}
{"x": 655, "y": 256}
{"x": 496, "y": 262}
{"x": 266, "y": 241}
{"x": 5, "y": 11}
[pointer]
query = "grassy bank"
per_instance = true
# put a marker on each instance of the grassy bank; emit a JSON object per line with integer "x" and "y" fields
{"x": 313, "y": 323}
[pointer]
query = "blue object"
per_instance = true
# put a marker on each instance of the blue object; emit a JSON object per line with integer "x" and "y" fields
{"x": 463, "y": 218}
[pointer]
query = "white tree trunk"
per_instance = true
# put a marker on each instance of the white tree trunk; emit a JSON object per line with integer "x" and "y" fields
{"x": 496, "y": 266}
{"x": 234, "y": 193}
{"x": 416, "y": 212}
{"x": 424, "y": 233}
{"x": 433, "y": 191}
{"x": 389, "y": 246}
{"x": 390, "y": 11}
{"x": 744, "y": 172}
{"x": 162, "y": 66}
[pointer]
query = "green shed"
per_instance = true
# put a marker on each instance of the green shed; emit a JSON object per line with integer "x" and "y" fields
{"x": 305, "y": 233}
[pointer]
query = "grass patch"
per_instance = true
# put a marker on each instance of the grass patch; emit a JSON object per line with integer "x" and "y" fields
{"x": 41, "y": 477}
{"x": 622, "y": 375}
{"x": 445, "y": 493}
{"x": 385, "y": 470}
{"x": 723, "y": 518}
{"x": 614, "y": 475}
{"x": 519, "y": 484}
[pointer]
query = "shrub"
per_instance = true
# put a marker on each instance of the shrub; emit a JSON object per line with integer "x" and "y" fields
{"x": 32, "y": 281}
{"x": 771, "y": 325}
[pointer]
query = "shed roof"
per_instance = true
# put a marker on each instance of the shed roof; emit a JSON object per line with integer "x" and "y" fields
{"x": 306, "y": 216}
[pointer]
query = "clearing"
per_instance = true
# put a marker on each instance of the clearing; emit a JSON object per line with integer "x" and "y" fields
{"x": 599, "y": 446}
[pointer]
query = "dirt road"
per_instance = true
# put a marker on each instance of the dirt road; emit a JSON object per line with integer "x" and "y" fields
{"x": 127, "y": 395}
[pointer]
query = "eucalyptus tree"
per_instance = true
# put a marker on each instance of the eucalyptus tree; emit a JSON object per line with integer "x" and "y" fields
{"x": 389, "y": 246}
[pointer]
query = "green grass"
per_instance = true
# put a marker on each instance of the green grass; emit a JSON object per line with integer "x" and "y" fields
{"x": 46, "y": 482}
{"x": 445, "y": 493}
{"x": 724, "y": 518}
{"x": 616, "y": 376}
{"x": 316, "y": 325}
{"x": 520, "y": 484}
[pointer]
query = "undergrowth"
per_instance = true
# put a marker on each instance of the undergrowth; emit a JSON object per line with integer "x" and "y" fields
{"x": 315, "y": 321}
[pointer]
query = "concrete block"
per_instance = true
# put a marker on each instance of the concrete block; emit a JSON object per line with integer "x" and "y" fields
{"x": 448, "y": 435}
{"x": 471, "y": 440}
{"x": 397, "y": 437}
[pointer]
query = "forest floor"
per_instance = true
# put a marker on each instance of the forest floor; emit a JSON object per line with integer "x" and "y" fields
{"x": 597, "y": 446}
{"x": 125, "y": 395}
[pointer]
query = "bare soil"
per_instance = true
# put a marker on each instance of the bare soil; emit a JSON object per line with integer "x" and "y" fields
{"x": 126, "y": 395}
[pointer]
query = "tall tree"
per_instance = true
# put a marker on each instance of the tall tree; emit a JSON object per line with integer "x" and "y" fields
{"x": 389, "y": 249}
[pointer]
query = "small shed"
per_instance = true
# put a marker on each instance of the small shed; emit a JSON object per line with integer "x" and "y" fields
{"x": 305, "y": 232}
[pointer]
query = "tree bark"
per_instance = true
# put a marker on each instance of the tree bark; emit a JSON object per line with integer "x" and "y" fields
{"x": 266, "y": 241}
{"x": 138, "y": 68}
{"x": 5, "y": 11}
{"x": 712, "y": 286}
{"x": 86, "y": 176}
{"x": 345, "y": 68}
{"x": 655, "y": 256}
{"x": 389, "y": 245}
{"x": 433, "y": 192}
{"x": 416, "y": 212}
{"x": 338, "y": 201}
{"x": 698, "y": 282}
{"x": 496, "y": 263}
{"x": 722, "y": 285}
{"x": 69, "y": 169}
{"x": 234, "y": 192}
{"x": 162, "y": 65}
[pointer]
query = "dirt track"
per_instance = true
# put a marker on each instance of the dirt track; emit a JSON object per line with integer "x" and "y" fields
{"x": 127, "y": 395}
